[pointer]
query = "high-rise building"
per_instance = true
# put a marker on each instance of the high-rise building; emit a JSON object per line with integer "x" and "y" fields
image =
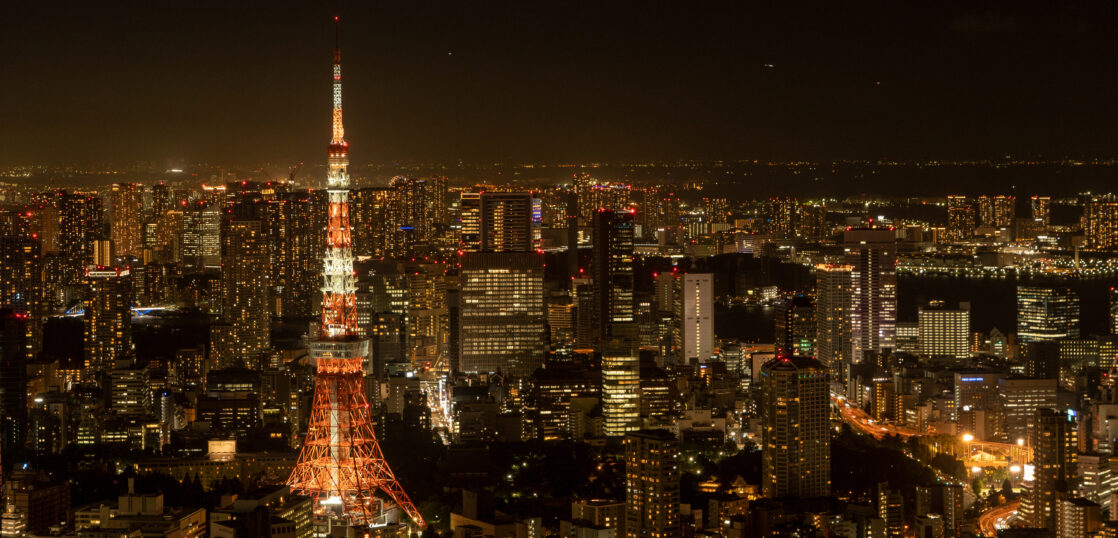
{"x": 502, "y": 326}
{"x": 1054, "y": 442}
{"x": 613, "y": 272}
{"x": 108, "y": 317}
{"x": 201, "y": 237}
{"x": 1041, "y": 210}
{"x": 795, "y": 327}
{"x": 81, "y": 223}
{"x": 1100, "y": 221}
{"x": 960, "y": 218}
{"x": 21, "y": 284}
{"x": 890, "y": 509}
{"x": 13, "y": 380}
{"x": 621, "y": 378}
{"x": 506, "y": 221}
{"x": 245, "y": 290}
{"x": 997, "y": 211}
{"x": 126, "y": 218}
{"x": 694, "y": 297}
{"x": 945, "y": 500}
{"x": 872, "y": 255}
{"x": 374, "y": 222}
{"x": 795, "y": 411}
{"x": 834, "y": 288}
{"x": 1046, "y": 313}
{"x": 1021, "y": 398}
{"x": 944, "y": 332}
{"x": 780, "y": 216}
{"x": 130, "y": 391}
{"x": 295, "y": 257}
{"x": 652, "y": 485}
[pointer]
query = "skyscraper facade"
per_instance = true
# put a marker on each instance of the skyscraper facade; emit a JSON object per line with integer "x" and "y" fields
{"x": 126, "y": 219}
{"x": 108, "y": 317}
{"x": 944, "y": 332}
{"x": 621, "y": 389}
{"x": 796, "y": 446}
{"x": 502, "y": 327}
{"x": 695, "y": 297}
{"x": 652, "y": 485}
{"x": 80, "y": 224}
{"x": 1046, "y": 313}
{"x": 245, "y": 291}
{"x": 613, "y": 271}
{"x": 834, "y": 287}
{"x": 960, "y": 218}
{"x": 1054, "y": 441}
{"x": 795, "y": 327}
{"x": 872, "y": 255}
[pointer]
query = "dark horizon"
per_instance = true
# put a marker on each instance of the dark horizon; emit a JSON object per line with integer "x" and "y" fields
{"x": 576, "y": 83}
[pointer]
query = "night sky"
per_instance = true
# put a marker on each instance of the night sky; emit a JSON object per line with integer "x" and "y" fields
{"x": 566, "y": 81}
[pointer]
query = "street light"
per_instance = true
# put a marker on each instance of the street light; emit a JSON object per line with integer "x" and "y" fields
{"x": 1020, "y": 441}
{"x": 967, "y": 438}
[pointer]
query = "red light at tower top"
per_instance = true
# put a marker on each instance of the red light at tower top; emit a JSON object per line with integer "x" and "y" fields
{"x": 341, "y": 466}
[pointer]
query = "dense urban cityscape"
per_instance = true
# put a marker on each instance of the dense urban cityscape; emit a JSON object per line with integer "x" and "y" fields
{"x": 612, "y": 349}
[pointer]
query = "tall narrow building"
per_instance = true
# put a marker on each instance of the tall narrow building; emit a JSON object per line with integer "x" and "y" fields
{"x": 834, "y": 287}
{"x": 695, "y": 312}
{"x": 795, "y": 411}
{"x": 108, "y": 317}
{"x": 245, "y": 291}
{"x": 652, "y": 485}
{"x": 621, "y": 378}
{"x": 126, "y": 219}
{"x": 795, "y": 327}
{"x": 506, "y": 221}
{"x": 81, "y": 223}
{"x": 13, "y": 380}
{"x": 1055, "y": 442}
{"x": 613, "y": 272}
{"x": 872, "y": 255}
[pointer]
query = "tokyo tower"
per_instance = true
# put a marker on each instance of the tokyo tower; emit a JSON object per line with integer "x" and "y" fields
{"x": 341, "y": 466}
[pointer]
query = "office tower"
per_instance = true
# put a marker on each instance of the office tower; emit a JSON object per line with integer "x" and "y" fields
{"x": 571, "y": 216}
{"x": 871, "y": 253}
{"x": 201, "y": 237}
{"x": 796, "y": 446}
{"x": 1054, "y": 443}
{"x": 1021, "y": 398}
{"x": 245, "y": 290}
{"x": 502, "y": 325}
{"x": 374, "y": 221}
{"x": 834, "y": 288}
{"x": 80, "y": 224}
{"x": 621, "y": 372}
{"x": 652, "y": 485}
{"x": 21, "y": 284}
{"x": 1041, "y": 212}
{"x": 1100, "y": 221}
{"x": 613, "y": 272}
{"x": 13, "y": 379}
{"x": 944, "y": 500}
{"x": 997, "y": 211}
{"x": 1046, "y": 313}
{"x": 795, "y": 327}
{"x": 960, "y": 219}
{"x": 550, "y": 395}
{"x": 126, "y": 219}
{"x": 506, "y": 221}
{"x": 426, "y": 311}
{"x": 694, "y": 297}
{"x": 420, "y": 207}
{"x": 341, "y": 466}
{"x": 108, "y": 317}
{"x": 162, "y": 199}
{"x": 944, "y": 332}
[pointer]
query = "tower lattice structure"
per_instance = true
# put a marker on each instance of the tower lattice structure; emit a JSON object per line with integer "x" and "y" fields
{"x": 341, "y": 466}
